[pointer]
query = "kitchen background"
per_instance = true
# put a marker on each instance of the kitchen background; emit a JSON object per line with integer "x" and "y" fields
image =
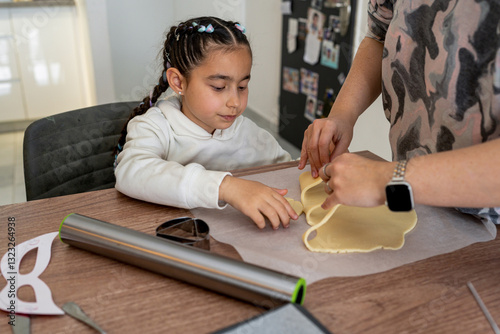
{"x": 60, "y": 55}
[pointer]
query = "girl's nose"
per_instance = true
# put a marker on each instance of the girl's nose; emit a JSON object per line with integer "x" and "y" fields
{"x": 234, "y": 100}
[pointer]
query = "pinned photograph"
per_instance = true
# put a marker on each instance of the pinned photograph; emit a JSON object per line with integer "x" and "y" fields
{"x": 291, "y": 36}
{"x": 334, "y": 3}
{"x": 334, "y": 23}
{"x": 341, "y": 78}
{"x": 319, "y": 109}
{"x": 315, "y": 23}
{"x": 317, "y": 4}
{"x": 309, "y": 82}
{"x": 310, "y": 109}
{"x": 330, "y": 55}
{"x": 328, "y": 34}
{"x": 291, "y": 79}
{"x": 302, "y": 29}
{"x": 286, "y": 8}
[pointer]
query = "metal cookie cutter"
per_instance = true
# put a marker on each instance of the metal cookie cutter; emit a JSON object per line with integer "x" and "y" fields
{"x": 186, "y": 230}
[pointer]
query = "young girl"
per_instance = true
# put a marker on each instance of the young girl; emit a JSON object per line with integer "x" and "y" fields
{"x": 177, "y": 151}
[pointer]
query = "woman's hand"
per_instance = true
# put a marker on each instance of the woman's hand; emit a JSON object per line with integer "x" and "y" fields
{"x": 324, "y": 139}
{"x": 327, "y": 138}
{"x": 356, "y": 181}
{"x": 257, "y": 201}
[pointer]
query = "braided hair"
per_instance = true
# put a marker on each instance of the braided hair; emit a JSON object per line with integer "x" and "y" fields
{"x": 186, "y": 46}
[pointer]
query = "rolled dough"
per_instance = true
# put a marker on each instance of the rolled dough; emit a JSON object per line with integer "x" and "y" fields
{"x": 345, "y": 229}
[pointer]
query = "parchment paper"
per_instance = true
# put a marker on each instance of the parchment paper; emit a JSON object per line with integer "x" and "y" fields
{"x": 438, "y": 231}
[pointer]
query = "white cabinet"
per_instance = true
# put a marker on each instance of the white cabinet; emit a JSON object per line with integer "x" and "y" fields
{"x": 41, "y": 67}
{"x": 11, "y": 96}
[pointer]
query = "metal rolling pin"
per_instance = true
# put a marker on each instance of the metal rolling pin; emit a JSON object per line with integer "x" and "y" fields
{"x": 251, "y": 283}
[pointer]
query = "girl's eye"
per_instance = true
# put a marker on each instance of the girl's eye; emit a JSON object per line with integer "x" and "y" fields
{"x": 242, "y": 87}
{"x": 217, "y": 88}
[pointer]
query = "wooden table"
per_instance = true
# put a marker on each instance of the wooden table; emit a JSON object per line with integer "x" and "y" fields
{"x": 428, "y": 296}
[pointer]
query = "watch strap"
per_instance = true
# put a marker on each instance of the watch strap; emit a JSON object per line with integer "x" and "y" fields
{"x": 399, "y": 171}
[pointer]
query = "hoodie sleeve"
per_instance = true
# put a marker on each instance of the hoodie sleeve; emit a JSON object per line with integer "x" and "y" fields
{"x": 144, "y": 173}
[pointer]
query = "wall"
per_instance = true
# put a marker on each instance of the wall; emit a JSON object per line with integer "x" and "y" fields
{"x": 94, "y": 25}
{"x": 136, "y": 35}
{"x": 233, "y": 10}
{"x": 264, "y": 30}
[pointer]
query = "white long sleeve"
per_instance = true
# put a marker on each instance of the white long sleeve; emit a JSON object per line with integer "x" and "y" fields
{"x": 169, "y": 160}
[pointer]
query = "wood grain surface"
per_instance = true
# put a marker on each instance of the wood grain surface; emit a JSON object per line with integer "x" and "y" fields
{"x": 429, "y": 296}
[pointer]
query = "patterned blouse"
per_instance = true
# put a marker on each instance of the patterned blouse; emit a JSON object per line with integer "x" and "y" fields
{"x": 440, "y": 75}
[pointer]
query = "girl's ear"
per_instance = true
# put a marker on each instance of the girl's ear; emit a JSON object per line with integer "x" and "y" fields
{"x": 175, "y": 80}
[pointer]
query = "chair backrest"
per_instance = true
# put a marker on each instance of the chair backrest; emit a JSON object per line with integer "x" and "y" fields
{"x": 72, "y": 152}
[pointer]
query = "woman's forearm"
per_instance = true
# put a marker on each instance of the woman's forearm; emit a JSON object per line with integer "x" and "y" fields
{"x": 363, "y": 83}
{"x": 468, "y": 177}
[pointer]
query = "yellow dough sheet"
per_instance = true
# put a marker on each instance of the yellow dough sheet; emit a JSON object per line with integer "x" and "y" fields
{"x": 345, "y": 229}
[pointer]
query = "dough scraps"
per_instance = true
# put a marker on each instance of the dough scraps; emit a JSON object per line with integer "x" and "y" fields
{"x": 345, "y": 229}
{"x": 296, "y": 205}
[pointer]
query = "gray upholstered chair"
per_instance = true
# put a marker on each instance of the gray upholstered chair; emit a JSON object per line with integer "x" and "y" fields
{"x": 72, "y": 152}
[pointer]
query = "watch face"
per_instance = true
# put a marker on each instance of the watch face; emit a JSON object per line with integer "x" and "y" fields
{"x": 399, "y": 197}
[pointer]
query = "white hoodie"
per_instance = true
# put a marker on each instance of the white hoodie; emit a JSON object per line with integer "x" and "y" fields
{"x": 167, "y": 159}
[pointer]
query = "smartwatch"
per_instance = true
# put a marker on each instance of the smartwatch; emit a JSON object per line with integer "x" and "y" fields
{"x": 398, "y": 192}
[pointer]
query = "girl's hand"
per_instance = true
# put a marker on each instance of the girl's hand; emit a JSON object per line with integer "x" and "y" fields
{"x": 257, "y": 201}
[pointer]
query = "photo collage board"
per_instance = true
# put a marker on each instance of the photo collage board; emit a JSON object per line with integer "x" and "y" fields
{"x": 316, "y": 56}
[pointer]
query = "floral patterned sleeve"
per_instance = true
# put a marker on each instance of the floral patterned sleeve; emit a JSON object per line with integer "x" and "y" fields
{"x": 379, "y": 16}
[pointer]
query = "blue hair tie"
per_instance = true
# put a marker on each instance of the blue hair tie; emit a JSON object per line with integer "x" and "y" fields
{"x": 240, "y": 28}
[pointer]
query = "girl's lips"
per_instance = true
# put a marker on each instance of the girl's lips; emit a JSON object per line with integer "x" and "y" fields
{"x": 228, "y": 118}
